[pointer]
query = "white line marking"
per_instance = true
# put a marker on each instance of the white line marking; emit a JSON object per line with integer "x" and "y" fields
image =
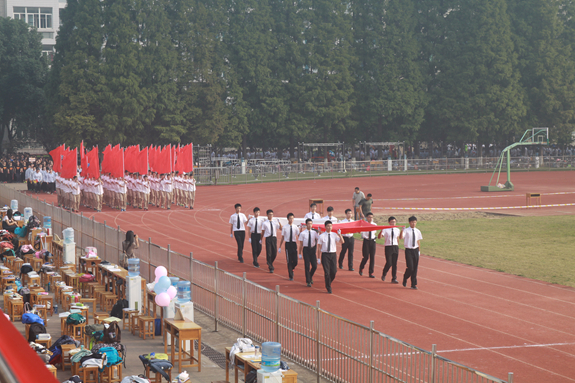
{"x": 504, "y": 347}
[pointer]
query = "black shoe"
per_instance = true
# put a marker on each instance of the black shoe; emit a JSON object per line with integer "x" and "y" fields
{"x": 241, "y": 261}
{"x": 383, "y": 277}
{"x": 394, "y": 281}
{"x": 257, "y": 265}
{"x": 371, "y": 276}
{"x": 329, "y": 291}
{"x": 414, "y": 287}
{"x": 341, "y": 267}
{"x": 311, "y": 281}
{"x": 351, "y": 269}
{"x": 404, "y": 283}
{"x": 271, "y": 271}
{"x": 291, "y": 279}
{"x": 309, "y": 285}
{"x": 360, "y": 272}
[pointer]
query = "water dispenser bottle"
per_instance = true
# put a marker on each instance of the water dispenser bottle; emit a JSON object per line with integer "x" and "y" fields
{"x": 47, "y": 222}
{"x": 68, "y": 235}
{"x": 271, "y": 355}
{"x": 14, "y": 205}
{"x": 133, "y": 267}
{"x": 184, "y": 292}
{"x": 27, "y": 213}
{"x": 174, "y": 281}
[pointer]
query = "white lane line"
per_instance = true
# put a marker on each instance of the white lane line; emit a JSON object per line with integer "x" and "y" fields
{"x": 505, "y": 347}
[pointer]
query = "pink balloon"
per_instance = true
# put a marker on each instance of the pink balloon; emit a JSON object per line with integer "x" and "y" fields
{"x": 161, "y": 271}
{"x": 172, "y": 292}
{"x": 163, "y": 300}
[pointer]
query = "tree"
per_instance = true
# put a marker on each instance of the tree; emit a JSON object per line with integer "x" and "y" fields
{"x": 389, "y": 90}
{"x": 22, "y": 77}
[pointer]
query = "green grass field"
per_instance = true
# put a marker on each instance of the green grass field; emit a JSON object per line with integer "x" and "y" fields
{"x": 541, "y": 248}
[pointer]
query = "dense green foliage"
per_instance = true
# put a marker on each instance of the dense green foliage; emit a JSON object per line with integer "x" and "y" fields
{"x": 271, "y": 73}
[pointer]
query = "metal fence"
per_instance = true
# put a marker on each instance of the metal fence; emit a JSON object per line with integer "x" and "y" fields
{"x": 274, "y": 172}
{"x": 333, "y": 347}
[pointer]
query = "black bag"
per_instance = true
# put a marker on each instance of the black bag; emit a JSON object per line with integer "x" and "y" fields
{"x": 252, "y": 377}
{"x": 118, "y": 309}
{"x": 25, "y": 292}
{"x": 112, "y": 334}
{"x": 33, "y": 222}
{"x": 35, "y": 329}
{"x": 26, "y": 269}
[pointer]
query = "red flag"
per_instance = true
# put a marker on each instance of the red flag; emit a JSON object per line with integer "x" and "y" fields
{"x": 187, "y": 158}
{"x": 117, "y": 162}
{"x": 70, "y": 164}
{"x": 92, "y": 164}
{"x": 130, "y": 157}
{"x": 82, "y": 154}
{"x": 142, "y": 161}
{"x": 56, "y": 157}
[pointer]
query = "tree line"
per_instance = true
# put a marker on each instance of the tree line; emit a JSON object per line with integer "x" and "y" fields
{"x": 272, "y": 73}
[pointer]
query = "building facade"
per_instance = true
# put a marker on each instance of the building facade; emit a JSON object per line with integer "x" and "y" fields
{"x": 44, "y": 15}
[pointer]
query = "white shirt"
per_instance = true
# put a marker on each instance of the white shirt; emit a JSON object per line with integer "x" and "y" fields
{"x": 234, "y": 221}
{"x": 408, "y": 237}
{"x": 252, "y": 224}
{"x": 37, "y": 176}
{"x": 270, "y": 230}
{"x": 333, "y": 219}
{"x": 387, "y": 236}
{"x": 312, "y": 215}
{"x": 286, "y": 232}
{"x": 304, "y": 237}
{"x": 366, "y": 234}
{"x": 345, "y": 220}
{"x": 332, "y": 237}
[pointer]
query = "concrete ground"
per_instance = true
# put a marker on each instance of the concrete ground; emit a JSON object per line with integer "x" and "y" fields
{"x": 213, "y": 345}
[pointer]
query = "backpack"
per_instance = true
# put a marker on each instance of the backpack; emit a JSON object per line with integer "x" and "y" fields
{"x": 29, "y": 318}
{"x": 35, "y": 329}
{"x": 135, "y": 379}
{"x": 252, "y": 377}
{"x": 112, "y": 333}
{"x": 33, "y": 222}
{"x": 92, "y": 328}
{"x": 112, "y": 356}
{"x": 75, "y": 319}
{"x": 156, "y": 356}
{"x": 119, "y": 306}
{"x": 25, "y": 269}
{"x": 74, "y": 379}
{"x": 86, "y": 278}
{"x": 64, "y": 339}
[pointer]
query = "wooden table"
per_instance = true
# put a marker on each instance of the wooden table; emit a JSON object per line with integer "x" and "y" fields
{"x": 318, "y": 202}
{"x": 90, "y": 264}
{"x": 532, "y": 196}
{"x": 57, "y": 250}
{"x": 183, "y": 330}
{"x": 113, "y": 276}
{"x": 248, "y": 364}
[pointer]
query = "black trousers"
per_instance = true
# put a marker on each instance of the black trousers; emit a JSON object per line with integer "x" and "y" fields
{"x": 291, "y": 257}
{"x": 391, "y": 254}
{"x": 256, "y": 247}
{"x": 240, "y": 239}
{"x": 309, "y": 262}
{"x": 329, "y": 263}
{"x": 271, "y": 251}
{"x": 412, "y": 261}
{"x": 368, "y": 250}
{"x": 347, "y": 245}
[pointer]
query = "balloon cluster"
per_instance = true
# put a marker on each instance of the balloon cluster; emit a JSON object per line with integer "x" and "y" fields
{"x": 163, "y": 288}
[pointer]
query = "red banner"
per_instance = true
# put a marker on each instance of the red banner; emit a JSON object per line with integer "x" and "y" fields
{"x": 57, "y": 157}
{"x": 351, "y": 227}
{"x": 113, "y": 161}
{"x": 92, "y": 164}
{"x": 142, "y": 162}
{"x": 70, "y": 164}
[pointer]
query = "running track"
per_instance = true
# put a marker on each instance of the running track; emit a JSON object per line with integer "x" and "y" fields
{"x": 491, "y": 321}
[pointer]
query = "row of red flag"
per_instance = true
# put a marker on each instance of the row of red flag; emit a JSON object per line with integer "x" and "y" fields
{"x": 116, "y": 160}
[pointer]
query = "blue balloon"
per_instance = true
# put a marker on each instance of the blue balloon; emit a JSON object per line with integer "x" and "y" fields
{"x": 162, "y": 285}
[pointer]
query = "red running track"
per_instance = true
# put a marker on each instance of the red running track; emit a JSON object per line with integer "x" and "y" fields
{"x": 488, "y": 320}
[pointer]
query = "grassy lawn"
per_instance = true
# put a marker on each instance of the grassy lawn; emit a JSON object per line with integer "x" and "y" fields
{"x": 541, "y": 248}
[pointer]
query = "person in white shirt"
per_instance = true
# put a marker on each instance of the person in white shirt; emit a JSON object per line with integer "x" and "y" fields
{"x": 307, "y": 246}
{"x": 327, "y": 248}
{"x": 348, "y": 244}
{"x": 368, "y": 248}
{"x": 330, "y": 215}
{"x": 313, "y": 214}
{"x": 391, "y": 235}
{"x": 193, "y": 193}
{"x": 99, "y": 193}
{"x": 145, "y": 185}
{"x": 37, "y": 179}
{"x": 411, "y": 241}
{"x": 255, "y": 235}
{"x": 75, "y": 188}
{"x": 238, "y": 229}
{"x": 290, "y": 233}
{"x": 270, "y": 228}
{"x": 28, "y": 176}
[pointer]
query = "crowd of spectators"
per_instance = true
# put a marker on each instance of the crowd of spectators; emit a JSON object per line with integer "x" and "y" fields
{"x": 36, "y": 172}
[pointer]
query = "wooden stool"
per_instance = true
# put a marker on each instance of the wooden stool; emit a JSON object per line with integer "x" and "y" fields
{"x": 52, "y": 369}
{"x": 66, "y": 358}
{"x": 76, "y": 331}
{"x": 17, "y": 265}
{"x": 134, "y": 325}
{"x": 27, "y": 330}
{"x": 93, "y": 287}
{"x": 46, "y": 342}
{"x": 112, "y": 374}
{"x": 146, "y": 325}
{"x": 8, "y": 281}
{"x": 100, "y": 317}
{"x": 48, "y": 301}
{"x": 89, "y": 374}
{"x": 63, "y": 327}
{"x": 41, "y": 309}
{"x": 53, "y": 278}
{"x": 93, "y": 302}
{"x": 126, "y": 318}
{"x": 109, "y": 299}
{"x": 34, "y": 281}
{"x": 158, "y": 376}
{"x": 16, "y": 309}
{"x": 532, "y": 196}
{"x": 36, "y": 263}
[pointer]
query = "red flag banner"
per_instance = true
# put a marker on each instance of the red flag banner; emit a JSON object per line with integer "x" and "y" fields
{"x": 351, "y": 227}
{"x": 56, "y": 157}
{"x": 186, "y": 158}
{"x": 92, "y": 164}
{"x": 142, "y": 162}
{"x": 70, "y": 164}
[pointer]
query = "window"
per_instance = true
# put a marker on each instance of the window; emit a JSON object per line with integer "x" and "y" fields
{"x": 47, "y": 35}
{"x": 34, "y": 16}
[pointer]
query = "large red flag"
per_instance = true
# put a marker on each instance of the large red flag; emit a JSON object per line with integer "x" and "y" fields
{"x": 130, "y": 158}
{"x": 56, "y": 157}
{"x": 186, "y": 158}
{"x": 117, "y": 162}
{"x": 70, "y": 164}
{"x": 142, "y": 162}
{"x": 92, "y": 164}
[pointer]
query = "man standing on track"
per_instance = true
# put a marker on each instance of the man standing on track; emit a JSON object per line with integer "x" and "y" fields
{"x": 307, "y": 242}
{"x": 365, "y": 205}
{"x": 327, "y": 248}
{"x": 313, "y": 214}
{"x": 270, "y": 229}
{"x": 255, "y": 225}
{"x": 357, "y": 196}
{"x": 238, "y": 229}
{"x": 391, "y": 235}
{"x": 411, "y": 241}
{"x": 368, "y": 248}
{"x": 290, "y": 233}
{"x": 347, "y": 245}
